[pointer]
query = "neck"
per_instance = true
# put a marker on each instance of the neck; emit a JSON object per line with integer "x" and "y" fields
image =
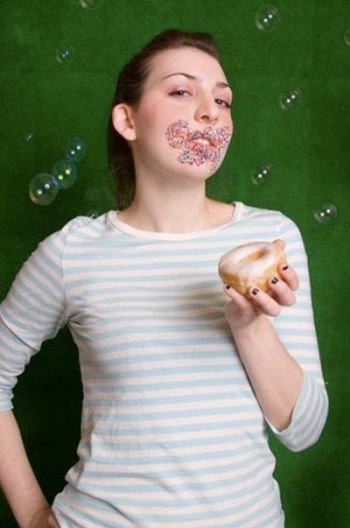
{"x": 168, "y": 211}
{"x": 175, "y": 212}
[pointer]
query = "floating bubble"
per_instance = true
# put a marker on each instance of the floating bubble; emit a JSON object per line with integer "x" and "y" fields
{"x": 65, "y": 55}
{"x": 347, "y": 36}
{"x": 64, "y": 173}
{"x": 76, "y": 149}
{"x": 93, "y": 213}
{"x": 326, "y": 213}
{"x": 267, "y": 18}
{"x": 291, "y": 99}
{"x": 43, "y": 189}
{"x": 91, "y": 4}
{"x": 261, "y": 174}
{"x": 28, "y": 136}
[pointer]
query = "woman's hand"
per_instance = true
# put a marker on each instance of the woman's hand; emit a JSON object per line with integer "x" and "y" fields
{"x": 44, "y": 518}
{"x": 245, "y": 309}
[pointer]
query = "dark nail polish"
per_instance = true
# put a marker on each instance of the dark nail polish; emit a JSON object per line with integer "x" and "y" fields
{"x": 227, "y": 286}
{"x": 274, "y": 280}
{"x": 285, "y": 267}
{"x": 255, "y": 291}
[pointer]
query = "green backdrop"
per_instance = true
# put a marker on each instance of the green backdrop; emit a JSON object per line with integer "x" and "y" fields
{"x": 45, "y": 103}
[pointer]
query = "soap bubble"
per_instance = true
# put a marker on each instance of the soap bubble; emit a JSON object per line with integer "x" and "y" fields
{"x": 91, "y": 4}
{"x": 28, "y": 136}
{"x": 347, "y": 36}
{"x": 261, "y": 174}
{"x": 291, "y": 99}
{"x": 267, "y": 18}
{"x": 76, "y": 149}
{"x": 93, "y": 213}
{"x": 65, "y": 55}
{"x": 43, "y": 189}
{"x": 64, "y": 173}
{"x": 326, "y": 213}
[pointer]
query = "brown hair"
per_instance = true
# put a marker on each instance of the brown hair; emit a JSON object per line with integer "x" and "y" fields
{"x": 129, "y": 91}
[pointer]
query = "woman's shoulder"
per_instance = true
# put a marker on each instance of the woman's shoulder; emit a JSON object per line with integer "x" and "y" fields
{"x": 76, "y": 224}
{"x": 79, "y": 228}
{"x": 250, "y": 212}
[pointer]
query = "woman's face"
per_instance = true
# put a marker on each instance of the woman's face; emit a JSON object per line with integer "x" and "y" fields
{"x": 183, "y": 122}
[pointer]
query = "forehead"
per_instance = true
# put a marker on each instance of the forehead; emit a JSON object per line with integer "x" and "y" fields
{"x": 191, "y": 60}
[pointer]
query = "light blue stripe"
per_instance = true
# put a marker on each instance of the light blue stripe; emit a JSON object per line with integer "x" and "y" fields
{"x": 171, "y": 328}
{"x": 117, "y": 398}
{"x": 170, "y": 400}
{"x": 232, "y": 438}
{"x": 192, "y": 428}
{"x": 151, "y": 488}
{"x": 230, "y": 381}
{"x": 171, "y": 474}
{"x": 167, "y": 370}
{"x": 165, "y": 415}
{"x": 226, "y": 495}
{"x": 173, "y": 356}
{"x": 165, "y": 457}
{"x": 177, "y": 516}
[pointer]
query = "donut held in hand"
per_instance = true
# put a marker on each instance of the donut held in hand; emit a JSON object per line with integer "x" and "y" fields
{"x": 251, "y": 265}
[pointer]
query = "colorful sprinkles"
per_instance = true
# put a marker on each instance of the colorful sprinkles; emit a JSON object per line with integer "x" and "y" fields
{"x": 198, "y": 146}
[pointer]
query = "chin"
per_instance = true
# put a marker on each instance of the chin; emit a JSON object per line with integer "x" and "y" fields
{"x": 196, "y": 174}
{"x": 206, "y": 168}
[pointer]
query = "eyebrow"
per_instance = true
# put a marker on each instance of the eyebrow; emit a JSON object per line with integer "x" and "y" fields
{"x": 219, "y": 84}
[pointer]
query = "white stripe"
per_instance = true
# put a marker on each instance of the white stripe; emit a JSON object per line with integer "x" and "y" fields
{"x": 167, "y": 405}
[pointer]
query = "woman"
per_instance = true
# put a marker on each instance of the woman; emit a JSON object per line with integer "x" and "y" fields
{"x": 181, "y": 377}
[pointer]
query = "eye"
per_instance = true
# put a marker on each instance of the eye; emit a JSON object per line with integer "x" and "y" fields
{"x": 180, "y": 92}
{"x": 222, "y": 102}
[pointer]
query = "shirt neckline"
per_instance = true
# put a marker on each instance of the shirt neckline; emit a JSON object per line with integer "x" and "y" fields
{"x": 155, "y": 235}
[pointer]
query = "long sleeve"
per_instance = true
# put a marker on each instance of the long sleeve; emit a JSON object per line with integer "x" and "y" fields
{"x": 33, "y": 310}
{"x": 308, "y": 418}
{"x": 296, "y": 329}
{"x": 167, "y": 407}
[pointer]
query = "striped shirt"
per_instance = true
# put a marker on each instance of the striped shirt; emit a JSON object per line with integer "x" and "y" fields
{"x": 172, "y": 435}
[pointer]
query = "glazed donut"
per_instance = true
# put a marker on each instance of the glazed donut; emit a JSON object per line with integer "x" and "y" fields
{"x": 251, "y": 265}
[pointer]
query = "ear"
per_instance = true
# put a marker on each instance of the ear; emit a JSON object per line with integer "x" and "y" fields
{"x": 123, "y": 122}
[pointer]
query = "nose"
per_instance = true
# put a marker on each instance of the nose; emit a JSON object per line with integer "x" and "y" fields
{"x": 207, "y": 111}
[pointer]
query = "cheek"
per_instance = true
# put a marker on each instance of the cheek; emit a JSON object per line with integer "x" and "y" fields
{"x": 228, "y": 121}
{"x": 154, "y": 117}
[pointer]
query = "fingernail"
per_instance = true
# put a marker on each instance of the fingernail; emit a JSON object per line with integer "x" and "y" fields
{"x": 227, "y": 286}
{"x": 255, "y": 291}
{"x": 285, "y": 267}
{"x": 274, "y": 280}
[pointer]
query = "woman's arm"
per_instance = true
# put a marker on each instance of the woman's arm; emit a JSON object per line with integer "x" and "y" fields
{"x": 275, "y": 336}
{"x": 17, "y": 479}
{"x": 275, "y": 376}
{"x": 33, "y": 311}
